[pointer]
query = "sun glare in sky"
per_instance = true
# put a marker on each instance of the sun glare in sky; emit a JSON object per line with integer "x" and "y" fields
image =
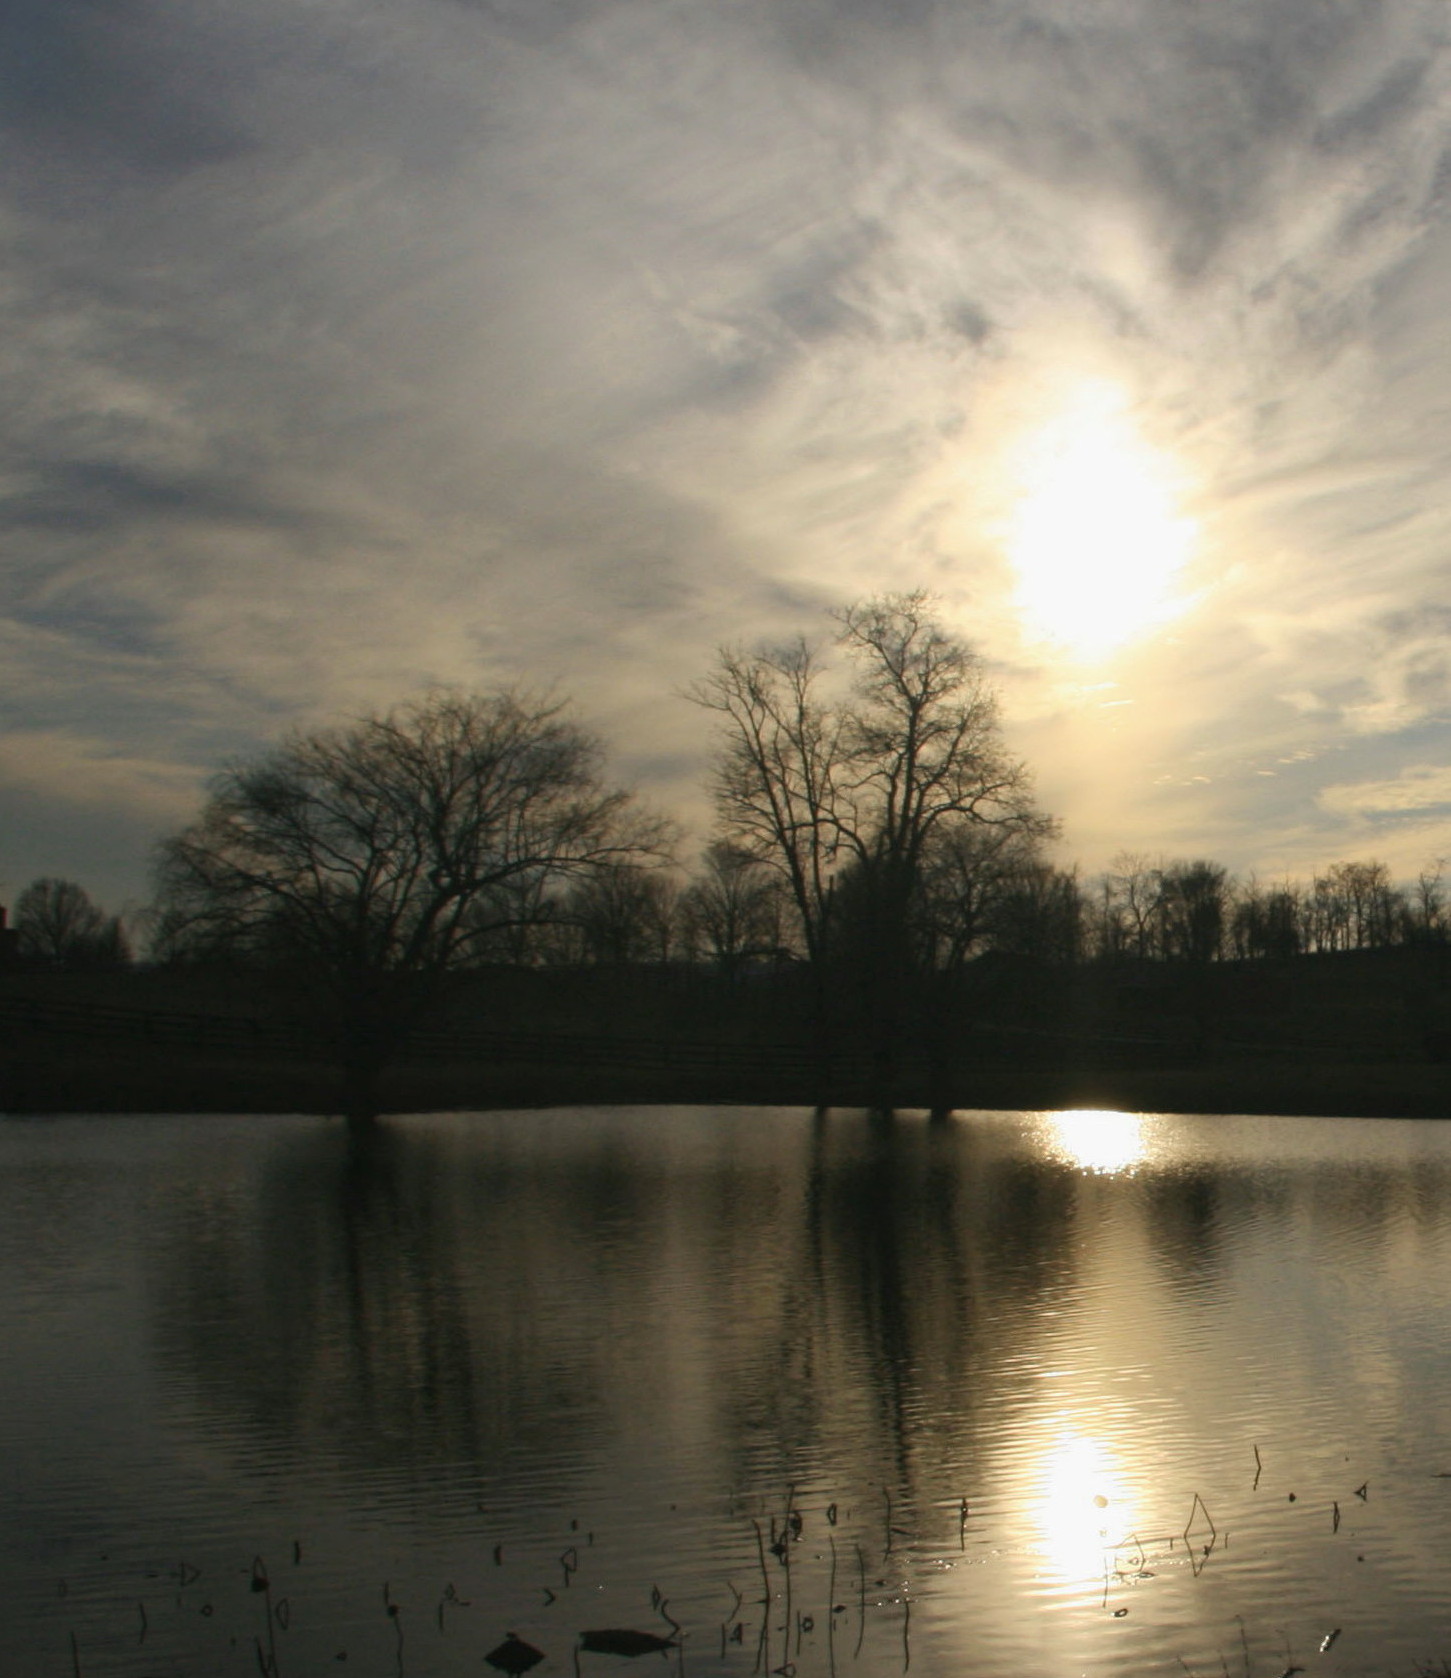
{"x": 1097, "y": 539}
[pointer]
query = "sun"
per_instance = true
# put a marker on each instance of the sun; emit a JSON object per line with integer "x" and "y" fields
{"x": 1097, "y": 539}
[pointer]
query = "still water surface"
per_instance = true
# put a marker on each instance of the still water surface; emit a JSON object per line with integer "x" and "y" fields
{"x": 1022, "y": 1393}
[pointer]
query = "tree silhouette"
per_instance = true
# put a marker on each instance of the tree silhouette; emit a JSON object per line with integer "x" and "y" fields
{"x": 379, "y": 856}
{"x": 846, "y": 797}
{"x": 733, "y": 907}
{"x": 56, "y": 922}
{"x": 778, "y": 772}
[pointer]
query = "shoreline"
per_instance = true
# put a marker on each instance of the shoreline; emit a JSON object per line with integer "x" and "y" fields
{"x": 57, "y": 1078}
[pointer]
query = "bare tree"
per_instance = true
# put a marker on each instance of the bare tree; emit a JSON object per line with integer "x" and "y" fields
{"x": 1193, "y": 898}
{"x": 914, "y": 750}
{"x": 924, "y": 750}
{"x": 1265, "y": 924}
{"x": 56, "y": 922}
{"x": 777, "y": 775}
{"x": 381, "y": 855}
{"x": 1429, "y": 903}
{"x": 1354, "y": 906}
{"x": 1042, "y": 914}
{"x": 844, "y": 799}
{"x": 1132, "y": 906}
{"x": 624, "y": 913}
{"x": 734, "y": 906}
{"x": 969, "y": 878}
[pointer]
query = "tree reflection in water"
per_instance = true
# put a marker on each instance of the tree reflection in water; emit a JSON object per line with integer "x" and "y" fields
{"x": 1079, "y": 1323}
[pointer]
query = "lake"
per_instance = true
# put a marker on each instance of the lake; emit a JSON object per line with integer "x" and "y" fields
{"x": 1006, "y": 1393}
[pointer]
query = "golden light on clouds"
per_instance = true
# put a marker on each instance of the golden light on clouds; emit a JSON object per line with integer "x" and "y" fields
{"x": 1097, "y": 539}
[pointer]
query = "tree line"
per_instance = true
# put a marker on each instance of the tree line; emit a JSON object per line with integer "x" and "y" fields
{"x": 733, "y": 914}
{"x": 873, "y": 831}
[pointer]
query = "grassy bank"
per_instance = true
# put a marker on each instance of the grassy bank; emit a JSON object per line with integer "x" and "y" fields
{"x": 59, "y": 1077}
{"x": 1364, "y": 1036}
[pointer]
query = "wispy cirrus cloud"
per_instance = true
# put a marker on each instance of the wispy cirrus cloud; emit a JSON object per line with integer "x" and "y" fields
{"x": 352, "y": 348}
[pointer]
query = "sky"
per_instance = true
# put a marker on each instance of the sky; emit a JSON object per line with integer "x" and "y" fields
{"x": 352, "y": 346}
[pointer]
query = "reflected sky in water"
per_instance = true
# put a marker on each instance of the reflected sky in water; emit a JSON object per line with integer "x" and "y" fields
{"x": 1033, "y": 1393}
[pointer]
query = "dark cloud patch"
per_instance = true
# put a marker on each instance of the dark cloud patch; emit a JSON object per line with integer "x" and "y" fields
{"x": 663, "y": 768}
{"x": 1184, "y": 107}
{"x": 1399, "y": 91}
{"x": 98, "y": 495}
{"x": 812, "y": 310}
{"x": 1232, "y": 93}
{"x": 641, "y": 583}
{"x": 117, "y": 627}
{"x": 970, "y": 321}
{"x": 99, "y": 81}
{"x": 538, "y": 21}
{"x": 844, "y": 36}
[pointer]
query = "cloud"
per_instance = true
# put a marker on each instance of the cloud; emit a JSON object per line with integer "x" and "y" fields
{"x": 106, "y": 85}
{"x": 352, "y": 348}
{"x": 71, "y": 769}
{"x": 1416, "y": 791}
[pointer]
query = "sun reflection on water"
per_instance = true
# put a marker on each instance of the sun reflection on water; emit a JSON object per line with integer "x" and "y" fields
{"x": 1081, "y": 1511}
{"x": 1096, "y": 1139}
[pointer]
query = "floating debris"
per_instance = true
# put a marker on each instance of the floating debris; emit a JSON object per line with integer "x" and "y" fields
{"x": 627, "y": 1643}
{"x": 1328, "y": 1640}
{"x": 514, "y": 1656}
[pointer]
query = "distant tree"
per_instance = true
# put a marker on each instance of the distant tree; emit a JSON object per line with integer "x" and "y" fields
{"x": 1354, "y": 906}
{"x": 379, "y": 856}
{"x": 624, "y": 913}
{"x": 1265, "y": 924}
{"x": 1192, "y": 898}
{"x": 1428, "y": 904}
{"x": 734, "y": 907}
{"x": 1160, "y": 911}
{"x": 911, "y": 752}
{"x": 972, "y": 890}
{"x": 1131, "y": 907}
{"x": 1042, "y": 914}
{"x": 924, "y": 754}
{"x": 56, "y": 922}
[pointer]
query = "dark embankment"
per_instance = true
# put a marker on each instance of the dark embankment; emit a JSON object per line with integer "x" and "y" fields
{"x": 114, "y": 1082}
{"x": 1356, "y": 1035}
